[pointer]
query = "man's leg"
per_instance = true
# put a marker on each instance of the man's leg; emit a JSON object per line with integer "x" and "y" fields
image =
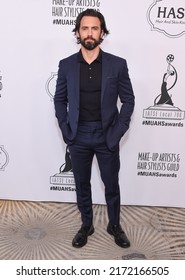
{"x": 109, "y": 165}
{"x": 81, "y": 158}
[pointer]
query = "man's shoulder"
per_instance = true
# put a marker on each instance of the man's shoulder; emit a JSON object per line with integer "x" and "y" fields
{"x": 111, "y": 56}
{"x": 69, "y": 59}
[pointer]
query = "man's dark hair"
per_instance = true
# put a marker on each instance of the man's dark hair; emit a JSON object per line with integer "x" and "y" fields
{"x": 92, "y": 13}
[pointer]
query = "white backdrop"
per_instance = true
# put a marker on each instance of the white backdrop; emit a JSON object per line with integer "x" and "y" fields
{"x": 35, "y": 35}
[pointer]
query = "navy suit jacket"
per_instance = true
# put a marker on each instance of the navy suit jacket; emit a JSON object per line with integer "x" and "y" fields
{"x": 115, "y": 83}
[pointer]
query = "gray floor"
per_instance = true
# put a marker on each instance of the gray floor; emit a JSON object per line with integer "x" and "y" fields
{"x": 42, "y": 231}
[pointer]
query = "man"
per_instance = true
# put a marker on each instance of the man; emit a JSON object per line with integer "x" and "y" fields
{"x": 88, "y": 86}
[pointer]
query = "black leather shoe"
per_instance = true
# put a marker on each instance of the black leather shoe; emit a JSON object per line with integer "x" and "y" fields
{"x": 119, "y": 235}
{"x": 80, "y": 238}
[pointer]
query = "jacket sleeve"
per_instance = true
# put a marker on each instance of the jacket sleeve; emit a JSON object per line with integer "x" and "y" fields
{"x": 127, "y": 98}
{"x": 122, "y": 119}
{"x": 60, "y": 98}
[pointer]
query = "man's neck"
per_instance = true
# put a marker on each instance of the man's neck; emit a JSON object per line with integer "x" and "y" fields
{"x": 91, "y": 55}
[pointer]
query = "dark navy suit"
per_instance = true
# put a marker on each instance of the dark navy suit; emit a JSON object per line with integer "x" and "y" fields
{"x": 101, "y": 138}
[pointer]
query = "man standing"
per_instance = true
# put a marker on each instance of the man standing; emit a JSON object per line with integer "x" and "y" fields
{"x": 88, "y": 86}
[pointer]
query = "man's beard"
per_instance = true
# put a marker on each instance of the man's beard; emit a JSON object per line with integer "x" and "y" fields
{"x": 90, "y": 45}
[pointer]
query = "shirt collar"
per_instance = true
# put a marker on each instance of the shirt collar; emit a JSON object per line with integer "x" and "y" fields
{"x": 81, "y": 59}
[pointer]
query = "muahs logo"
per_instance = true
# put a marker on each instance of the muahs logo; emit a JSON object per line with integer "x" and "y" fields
{"x": 4, "y": 158}
{"x": 164, "y": 107}
{"x": 167, "y": 17}
{"x": 64, "y": 180}
{"x": 51, "y": 84}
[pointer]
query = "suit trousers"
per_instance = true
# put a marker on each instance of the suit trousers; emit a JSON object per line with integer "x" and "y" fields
{"x": 90, "y": 141}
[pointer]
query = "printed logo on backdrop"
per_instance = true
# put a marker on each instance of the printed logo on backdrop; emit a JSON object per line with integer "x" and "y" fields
{"x": 64, "y": 12}
{"x": 1, "y": 83}
{"x": 167, "y": 17}
{"x": 64, "y": 179}
{"x": 159, "y": 165}
{"x": 4, "y": 158}
{"x": 164, "y": 112}
{"x": 51, "y": 85}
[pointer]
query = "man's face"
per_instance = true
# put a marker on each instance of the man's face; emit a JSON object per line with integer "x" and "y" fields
{"x": 90, "y": 32}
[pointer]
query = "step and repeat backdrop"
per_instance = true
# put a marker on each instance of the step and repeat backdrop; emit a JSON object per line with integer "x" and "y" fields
{"x": 34, "y": 161}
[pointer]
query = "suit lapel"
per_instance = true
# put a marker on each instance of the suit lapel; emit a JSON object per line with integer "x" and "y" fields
{"x": 75, "y": 79}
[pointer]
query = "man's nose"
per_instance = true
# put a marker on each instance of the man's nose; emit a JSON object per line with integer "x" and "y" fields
{"x": 89, "y": 32}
